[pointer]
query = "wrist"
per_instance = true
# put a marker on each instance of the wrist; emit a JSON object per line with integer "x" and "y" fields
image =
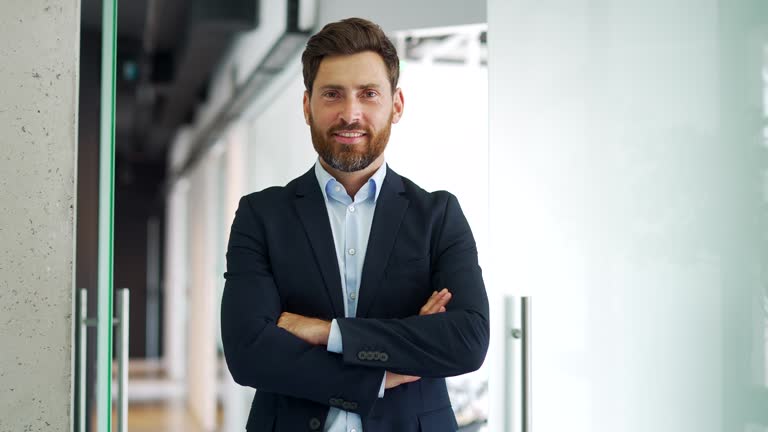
{"x": 326, "y": 333}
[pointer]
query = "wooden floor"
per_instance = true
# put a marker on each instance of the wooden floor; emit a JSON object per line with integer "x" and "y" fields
{"x": 161, "y": 417}
{"x": 171, "y": 415}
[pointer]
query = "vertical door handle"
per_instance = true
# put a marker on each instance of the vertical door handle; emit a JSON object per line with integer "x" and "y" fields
{"x": 517, "y": 392}
{"x": 82, "y": 338}
{"x": 526, "y": 369}
{"x": 122, "y": 322}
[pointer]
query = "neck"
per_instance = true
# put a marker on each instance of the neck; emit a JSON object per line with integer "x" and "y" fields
{"x": 353, "y": 181}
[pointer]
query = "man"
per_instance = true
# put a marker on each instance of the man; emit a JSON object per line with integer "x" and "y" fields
{"x": 351, "y": 293}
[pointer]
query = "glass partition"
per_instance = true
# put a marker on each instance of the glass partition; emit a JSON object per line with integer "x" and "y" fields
{"x": 628, "y": 199}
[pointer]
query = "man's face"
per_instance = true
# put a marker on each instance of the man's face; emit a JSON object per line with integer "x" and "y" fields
{"x": 351, "y": 110}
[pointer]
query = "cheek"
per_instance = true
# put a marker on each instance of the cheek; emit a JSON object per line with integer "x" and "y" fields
{"x": 380, "y": 119}
{"x": 323, "y": 118}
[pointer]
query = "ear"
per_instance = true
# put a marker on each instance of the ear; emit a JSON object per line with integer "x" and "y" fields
{"x": 306, "y": 107}
{"x": 398, "y": 103}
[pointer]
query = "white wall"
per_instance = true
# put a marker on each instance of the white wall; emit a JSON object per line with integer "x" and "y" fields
{"x": 38, "y": 160}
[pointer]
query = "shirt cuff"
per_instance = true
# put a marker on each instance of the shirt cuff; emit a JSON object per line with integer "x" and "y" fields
{"x": 334, "y": 339}
{"x": 383, "y": 384}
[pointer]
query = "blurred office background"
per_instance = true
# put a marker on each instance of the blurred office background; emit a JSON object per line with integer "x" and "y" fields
{"x": 209, "y": 109}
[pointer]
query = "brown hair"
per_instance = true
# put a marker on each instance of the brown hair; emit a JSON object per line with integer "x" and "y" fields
{"x": 346, "y": 37}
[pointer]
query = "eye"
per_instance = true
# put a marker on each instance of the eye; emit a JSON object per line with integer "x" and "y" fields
{"x": 331, "y": 94}
{"x": 370, "y": 93}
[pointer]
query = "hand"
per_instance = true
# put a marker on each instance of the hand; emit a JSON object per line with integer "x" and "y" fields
{"x": 311, "y": 330}
{"x": 436, "y": 302}
{"x": 393, "y": 380}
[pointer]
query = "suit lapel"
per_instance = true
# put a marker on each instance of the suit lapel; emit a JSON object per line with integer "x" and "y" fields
{"x": 390, "y": 209}
{"x": 313, "y": 214}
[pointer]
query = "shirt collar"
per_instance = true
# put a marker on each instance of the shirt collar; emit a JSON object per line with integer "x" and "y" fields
{"x": 326, "y": 180}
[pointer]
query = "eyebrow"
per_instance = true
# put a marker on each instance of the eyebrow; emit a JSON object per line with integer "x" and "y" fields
{"x": 360, "y": 87}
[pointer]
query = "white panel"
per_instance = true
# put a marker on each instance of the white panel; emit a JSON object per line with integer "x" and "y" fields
{"x": 175, "y": 281}
{"x": 625, "y": 185}
{"x": 203, "y": 313}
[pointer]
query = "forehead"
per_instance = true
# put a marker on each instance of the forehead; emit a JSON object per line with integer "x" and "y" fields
{"x": 352, "y": 70}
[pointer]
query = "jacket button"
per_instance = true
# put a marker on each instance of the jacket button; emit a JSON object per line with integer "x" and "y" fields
{"x": 314, "y": 423}
{"x": 384, "y": 357}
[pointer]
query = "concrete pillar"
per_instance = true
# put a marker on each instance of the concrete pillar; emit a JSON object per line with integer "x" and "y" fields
{"x": 38, "y": 154}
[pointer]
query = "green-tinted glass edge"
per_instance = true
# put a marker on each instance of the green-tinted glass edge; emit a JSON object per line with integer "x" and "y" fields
{"x": 106, "y": 217}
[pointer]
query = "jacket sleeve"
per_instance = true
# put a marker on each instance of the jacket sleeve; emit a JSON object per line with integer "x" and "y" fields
{"x": 439, "y": 345}
{"x": 261, "y": 355}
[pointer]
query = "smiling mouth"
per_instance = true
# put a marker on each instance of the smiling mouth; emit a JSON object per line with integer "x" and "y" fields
{"x": 350, "y": 134}
{"x": 349, "y": 137}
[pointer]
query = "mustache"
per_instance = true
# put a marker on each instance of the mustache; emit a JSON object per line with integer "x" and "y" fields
{"x": 349, "y": 127}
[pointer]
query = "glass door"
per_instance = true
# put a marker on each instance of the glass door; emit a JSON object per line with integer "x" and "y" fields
{"x": 628, "y": 201}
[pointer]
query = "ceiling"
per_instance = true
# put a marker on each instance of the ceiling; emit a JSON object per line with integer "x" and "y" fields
{"x": 166, "y": 52}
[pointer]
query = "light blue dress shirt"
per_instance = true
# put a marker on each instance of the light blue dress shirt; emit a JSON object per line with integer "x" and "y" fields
{"x": 351, "y": 221}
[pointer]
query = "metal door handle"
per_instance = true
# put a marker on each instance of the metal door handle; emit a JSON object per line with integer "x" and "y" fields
{"x": 518, "y": 352}
{"x": 82, "y": 337}
{"x": 526, "y": 372}
{"x": 122, "y": 322}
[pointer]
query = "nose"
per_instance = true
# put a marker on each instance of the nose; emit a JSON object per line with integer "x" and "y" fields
{"x": 351, "y": 111}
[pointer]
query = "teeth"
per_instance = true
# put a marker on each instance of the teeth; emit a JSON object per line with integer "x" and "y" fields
{"x": 350, "y": 134}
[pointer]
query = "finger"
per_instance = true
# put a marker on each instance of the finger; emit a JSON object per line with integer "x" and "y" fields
{"x": 441, "y": 301}
{"x": 410, "y": 379}
{"x": 442, "y": 308}
{"x": 425, "y": 310}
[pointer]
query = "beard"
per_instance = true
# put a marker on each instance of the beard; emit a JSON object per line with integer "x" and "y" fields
{"x": 349, "y": 157}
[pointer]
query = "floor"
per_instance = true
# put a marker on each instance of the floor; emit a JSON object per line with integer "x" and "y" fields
{"x": 154, "y": 406}
{"x": 161, "y": 417}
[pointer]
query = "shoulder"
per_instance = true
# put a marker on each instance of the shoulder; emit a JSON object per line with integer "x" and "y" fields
{"x": 265, "y": 199}
{"x": 435, "y": 199}
{"x": 273, "y": 197}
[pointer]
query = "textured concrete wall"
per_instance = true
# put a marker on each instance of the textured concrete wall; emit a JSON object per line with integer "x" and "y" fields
{"x": 38, "y": 147}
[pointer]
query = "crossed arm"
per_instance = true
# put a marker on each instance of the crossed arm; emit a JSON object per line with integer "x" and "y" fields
{"x": 316, "y": 331}
{"x": 263, "y": 351}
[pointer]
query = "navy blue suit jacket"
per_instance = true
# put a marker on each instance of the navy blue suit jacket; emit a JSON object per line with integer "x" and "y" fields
{"x": 281, "y": 257}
